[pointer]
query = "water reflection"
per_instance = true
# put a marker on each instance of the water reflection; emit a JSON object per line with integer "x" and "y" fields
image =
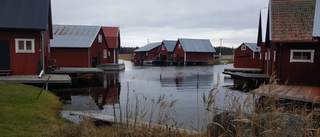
{"x": 107, "y": 93}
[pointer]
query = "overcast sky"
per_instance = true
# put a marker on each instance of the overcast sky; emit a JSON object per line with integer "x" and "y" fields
{"x": 235, "y": 21}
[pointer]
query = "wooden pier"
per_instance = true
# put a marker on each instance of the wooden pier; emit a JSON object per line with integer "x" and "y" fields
{"x": 76, "y": 70}
{"x": 243, "y": 70}
{"x": 34, "y": 79}
{"x": 290, "y": 92}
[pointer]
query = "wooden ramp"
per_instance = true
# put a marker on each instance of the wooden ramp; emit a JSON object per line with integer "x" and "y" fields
{"x": 243, "y": 70}
{"x": 299, "y": 93}
{"x": 246, "y": 75}
{"x": 28, "y": 79}
{"x": 115, "y": 120}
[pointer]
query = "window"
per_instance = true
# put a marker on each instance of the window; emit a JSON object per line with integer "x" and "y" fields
{"x": 179, "y": 46}
{"x": 253, "y": 54}
{"x": 301, "y": 56}
{"x": 104, "y": 53}
{"x": 147, "y": 54}
{"x": 109, "y": 53}
{"x": 260, "y": 56}
{"x": 162, "y": 47}
{"x": 243, "y": 47}
{"x": 274, "y": 55}
{"x": 100, "y": 38}
{"x": 24, "y": 45}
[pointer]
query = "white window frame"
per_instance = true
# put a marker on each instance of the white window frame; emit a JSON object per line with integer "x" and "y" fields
{"x": 104, "y": 53}
{"x": 274, "y": 55}
{"x": 162, "y": 47}
{"x": 109, "y": 53}
{"x": 300, "y": 60}
{"x": 253, "y": 54}
{"x": 147, "y": 54}
{"x": 266, "y": 56}
{"x": 25, "y": 50}
{"x": 243, "y": 47}
{"x": 179, "y": 46}
{"x": 100, "y": 38}
{"x": 260, "y": 56}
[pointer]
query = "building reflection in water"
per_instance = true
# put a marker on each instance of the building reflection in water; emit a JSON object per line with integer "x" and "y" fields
{"x": 104, "y": 89}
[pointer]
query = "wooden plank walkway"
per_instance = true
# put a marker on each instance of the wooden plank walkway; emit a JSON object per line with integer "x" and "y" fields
{"x": 28, "y": 79}
{"x": 114, "y": 120}
{"x": 243, "y": 70}
{"x": 76, "y": 70}
{"x": 291, "y": 92}
{"x": 246, "y": 75}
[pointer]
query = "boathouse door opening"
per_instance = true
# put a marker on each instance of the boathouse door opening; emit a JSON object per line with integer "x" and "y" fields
{"x": 4, "y": 55}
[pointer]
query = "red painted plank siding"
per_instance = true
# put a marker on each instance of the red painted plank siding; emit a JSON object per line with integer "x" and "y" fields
{"x": 70, "y": 57}
{"x": 196, "y": 56}
{"x": 97, "y": 47}
{"x": 241, "y": 61}
{"x": 25, "y": 63}
{"x": 179, "y": 52}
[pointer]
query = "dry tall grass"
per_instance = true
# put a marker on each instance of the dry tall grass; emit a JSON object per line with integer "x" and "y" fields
{"x": 250, "y": 116}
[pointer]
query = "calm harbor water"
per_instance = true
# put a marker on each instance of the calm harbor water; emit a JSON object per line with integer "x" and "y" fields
{"x": 141, "y": 85}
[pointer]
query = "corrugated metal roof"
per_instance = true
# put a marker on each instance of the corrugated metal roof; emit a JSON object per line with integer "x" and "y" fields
{"x": 316, "y": 25}
{"x": 253, "y": 46}
{"x": 148, "y": 47}
{"x": 73, "y": 36}
{"x": 24, "y": 14}
{"x": 170, "y": 44}
{"x": 196, "y": 45}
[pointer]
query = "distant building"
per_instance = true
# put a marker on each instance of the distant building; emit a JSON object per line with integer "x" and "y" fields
{"x": 147, "y": 52}
{"x": 25, "y": 33}
{"x": 247, "y": 55}
{"x": 166, "y": 50}
{"x": 194, "y": 50}
{"x": 79, "y": 46}
{"x": 291, "y": 49}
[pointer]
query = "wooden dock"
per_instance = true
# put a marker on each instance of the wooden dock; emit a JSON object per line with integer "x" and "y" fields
{"x": 34, "y": 79}
{"x": 298, "y": 93}
{"x": 76, "y": 70}
{"x": 115, "y": 120}
{"x": 111, "y": 67}
{"x": 243, "y": 70}
{"x": 246, "y": 75}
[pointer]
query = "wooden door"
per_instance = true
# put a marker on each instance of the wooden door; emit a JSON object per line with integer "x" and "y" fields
{"x": 4, "y": 55}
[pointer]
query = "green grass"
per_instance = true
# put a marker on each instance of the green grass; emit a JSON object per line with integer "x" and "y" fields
{"x": 21, "y": 114}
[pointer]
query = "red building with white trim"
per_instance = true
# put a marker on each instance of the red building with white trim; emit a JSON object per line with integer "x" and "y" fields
{"x": 25, "y": 33}
{"x": 247, "y": 55}
{"x": 79, "y": 46}
{"x": 112, "y": 37}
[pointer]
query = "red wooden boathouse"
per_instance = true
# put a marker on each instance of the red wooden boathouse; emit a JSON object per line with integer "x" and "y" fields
{"x": 291, "y": 51}
{"x": 78, "y": 46}
{"x": 247, "y": 55}
{"x": 194, "y": 50}
{"x": 112, "y": 36}
{"x": 147, "y": 52}
{"x": 25, "y": 33}
{"x": 166, "y": 50}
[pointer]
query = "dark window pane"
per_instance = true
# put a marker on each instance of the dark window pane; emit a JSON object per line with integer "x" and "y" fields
{"x": 297, "y": 55}
{"x": 306, "y": 56}
{"x": 28, "y": 45}
{"x": 21, "y": 45}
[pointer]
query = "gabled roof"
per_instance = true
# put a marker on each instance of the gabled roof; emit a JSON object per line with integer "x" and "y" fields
{"x": 170, "y": 44}
{"x": 316, "y": 27}
{"x": 253, "y": 46}
{"x": 73, "y": 36}
{"x": 148, "y": 47}
{"x": 292, "y": 20}
{"x": 25, "y": 14}
{"x": 112, "y": 36}
{"x": 196, "y": 45}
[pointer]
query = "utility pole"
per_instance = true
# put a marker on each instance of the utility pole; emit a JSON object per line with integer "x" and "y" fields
{"x": 220, "y": 45}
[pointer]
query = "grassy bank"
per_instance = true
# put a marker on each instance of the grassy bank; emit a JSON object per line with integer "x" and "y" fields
{"x": 21, "y": 114}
